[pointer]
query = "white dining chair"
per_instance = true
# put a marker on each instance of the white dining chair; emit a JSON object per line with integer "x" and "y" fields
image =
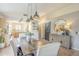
{"x": 50, "y": 49}
{"x": 24, "y": 47}
{"x": 14, "y": 48}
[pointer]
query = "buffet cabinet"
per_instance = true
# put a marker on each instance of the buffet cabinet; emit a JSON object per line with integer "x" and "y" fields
{"x": 63, "y": 39}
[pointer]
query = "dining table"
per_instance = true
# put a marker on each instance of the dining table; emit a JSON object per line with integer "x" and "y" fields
{"x": 33, "y": 46}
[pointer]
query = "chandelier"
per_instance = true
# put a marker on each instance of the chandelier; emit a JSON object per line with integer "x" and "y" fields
{"x": 36, "y": 13}
{"x": 30, "y": 16}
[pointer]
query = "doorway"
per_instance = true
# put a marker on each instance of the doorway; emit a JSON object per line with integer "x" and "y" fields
{"x": 47, "y": 30}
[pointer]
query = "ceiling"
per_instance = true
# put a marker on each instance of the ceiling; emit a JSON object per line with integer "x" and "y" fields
{"x": 15, "y": 11}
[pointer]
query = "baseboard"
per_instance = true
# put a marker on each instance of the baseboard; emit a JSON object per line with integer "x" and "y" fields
{"x": 75, "y": 49}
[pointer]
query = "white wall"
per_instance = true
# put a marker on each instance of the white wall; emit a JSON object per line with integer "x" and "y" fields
{"x": 63, "y": 11}
{"x": 75, "y": 27}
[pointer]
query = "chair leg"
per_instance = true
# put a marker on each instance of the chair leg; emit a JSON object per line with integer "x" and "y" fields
{"x": 19, "y": 52}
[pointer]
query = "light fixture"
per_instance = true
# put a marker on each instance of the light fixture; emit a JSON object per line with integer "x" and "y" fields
{"x": 31, "y": 17}
{"x": 36, "y": 14}
{"x": 28, "y": 17}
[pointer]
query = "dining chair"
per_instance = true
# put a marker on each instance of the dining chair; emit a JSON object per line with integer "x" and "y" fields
{"x": 14, "y": 48}
{"x": 50, "y": 49}
{"x": 24, "y": 47}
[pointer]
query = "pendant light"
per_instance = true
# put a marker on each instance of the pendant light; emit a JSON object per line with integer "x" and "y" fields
{"x": 25, "y": 15}
{"x": 28, "y": 20}
{"x": 31, "y": 18}
{"x": 36, "y": 13}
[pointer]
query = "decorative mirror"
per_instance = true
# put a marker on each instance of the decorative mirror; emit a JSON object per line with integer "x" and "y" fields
{"x": 59, "y": 25}
{"x": 63, "y": 26}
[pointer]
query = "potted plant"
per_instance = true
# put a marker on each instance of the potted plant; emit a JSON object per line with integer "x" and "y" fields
{"x": 2, "y": 41}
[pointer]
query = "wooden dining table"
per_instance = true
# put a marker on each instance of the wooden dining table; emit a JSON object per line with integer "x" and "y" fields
{"x": 32, "y": 46}
{"x": 35, "y": 44}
